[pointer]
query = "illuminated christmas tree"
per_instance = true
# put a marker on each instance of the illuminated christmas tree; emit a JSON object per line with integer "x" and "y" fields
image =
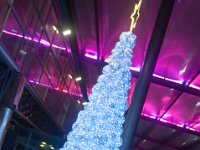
{"x": 100, "y": 125}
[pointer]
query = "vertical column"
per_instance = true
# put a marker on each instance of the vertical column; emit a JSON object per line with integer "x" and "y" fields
{"x": 5, "y": 116}
{"x": 9, "y": 101}
{"x": 144, "y": 80}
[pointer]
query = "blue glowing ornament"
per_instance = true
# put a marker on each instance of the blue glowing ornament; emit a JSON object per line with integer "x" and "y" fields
{"x": 100, "y": 125}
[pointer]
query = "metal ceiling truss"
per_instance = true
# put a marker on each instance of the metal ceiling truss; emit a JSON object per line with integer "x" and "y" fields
{"x": 181, "y": 129}
{"x": 156, "y": 80}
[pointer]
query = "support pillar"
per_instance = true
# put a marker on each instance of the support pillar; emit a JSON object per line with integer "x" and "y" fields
{"x": 144, "y": 79}
{"x": 5, "y": 116}
{"x": 9, "y": 102}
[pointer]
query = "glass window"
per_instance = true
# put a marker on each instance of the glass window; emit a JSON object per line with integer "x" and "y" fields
{"x": 73, "y": 87}
{"x": 3, "y": 12}
{"x": 63, "y": 64}
{"x": 57, "y": 46}
{"x": 11, "y": 36}
{"x": 23, "y": 51}
{"x": 38, "y": 32}
{"x": 53, "y": 69}
{"x": 62, "y": 84}
{"x": 52, "y": 25}
{"x": 43, "y": 7}
{"x": 30, "y": 50}
{"x": 31, "y": 25}
{"x": 43, "y": 49}
{"x": 69, "y": 76}
{"x": 35, "y": 39}
{"x": 24, "y": 9}
{"x": 43, "y": 86}
{"x": 35, "y": 72}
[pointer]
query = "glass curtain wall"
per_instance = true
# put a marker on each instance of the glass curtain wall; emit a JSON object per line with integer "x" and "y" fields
{"x": 30, "y": 33}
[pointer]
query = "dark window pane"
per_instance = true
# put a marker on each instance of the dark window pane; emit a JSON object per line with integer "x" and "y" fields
{"x": 57, "y": 106}
{"x": 73, "y": 88}
{"x": 62, "y": 84}
{"x": 68, "y": 72}
{"x": 3, "y": 12}
{"x": 35, "y": 72}
{"x": 24, "y": 9}
{"x": 35, "y": 39}
{"x": 43, "y": 7}
{"x": 43, "y": 86}
{"x": 11, "y": 36}
{"x": 23, "y": 51}
{"x": 63, "y": 63}
{"x": 31, "y": 25}
{"x": 53, "y": 69}
{"x": 38, "y": 32}
{"x": 57, "y": 46}
{"x": 52, "y": 25}
{"x": 43, "y": 49}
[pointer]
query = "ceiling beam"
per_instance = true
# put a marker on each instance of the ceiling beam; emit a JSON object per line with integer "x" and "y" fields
{"x": 97, "y": 29}
{"x": 156, "y": 141}
{"x": 190, "y": 146}
{"x": 156, "y": 80}
{"x": 144, "y": 134}
{"x": 169, "y": 125}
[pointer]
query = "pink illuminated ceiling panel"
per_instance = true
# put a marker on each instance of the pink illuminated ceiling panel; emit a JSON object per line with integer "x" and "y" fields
{"x": 116, "y": 19}
{"x": 186, "y": 110}
{"x": 179, "y": 57}
{"x": 158, "y": 98}
{"x": 113, "y": 20}
{"x": 196, "y": 126}
{"x": 196, "y": 81}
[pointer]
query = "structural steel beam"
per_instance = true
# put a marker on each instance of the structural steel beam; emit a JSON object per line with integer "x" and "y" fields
{"x": 144, "y": 80}
{"x": 169, "y": 125}
{"x": 156, "y": 80}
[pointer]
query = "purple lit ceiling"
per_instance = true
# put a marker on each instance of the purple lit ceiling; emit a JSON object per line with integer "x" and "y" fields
{"x": 178, "y": 63}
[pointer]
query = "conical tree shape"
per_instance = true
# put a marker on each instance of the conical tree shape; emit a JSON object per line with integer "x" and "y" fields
{"x": 100, "y": 125}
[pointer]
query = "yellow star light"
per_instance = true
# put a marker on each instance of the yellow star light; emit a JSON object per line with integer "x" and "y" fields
{"x": 135, "y": 15}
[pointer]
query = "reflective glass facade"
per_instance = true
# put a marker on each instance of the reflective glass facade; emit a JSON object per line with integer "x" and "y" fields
{"x": 30, "y": 36}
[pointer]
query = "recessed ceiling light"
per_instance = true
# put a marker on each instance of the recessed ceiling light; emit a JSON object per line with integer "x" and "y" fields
{"x": 41, "y": 145}
{"x": 67, "y": 32}
{"x": 197, "y": 104}
{"x": 78, "y": 79}
{"x": 55, "y": 29}
{"x": 44, "y": 143}
{"x": 23, "y": 52}
{"x": 184, "y": 143}
{"x": 196, "y": 138}
{"x": 51, "y": 147}
{"x": 84, "y": 103}
{"x": 70, "y": 76}
{"x": 143, "y": 141}
{"x": 181, "y": 72}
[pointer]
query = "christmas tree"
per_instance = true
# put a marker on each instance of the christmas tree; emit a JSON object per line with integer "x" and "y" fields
{"x": 100, "y": 125}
